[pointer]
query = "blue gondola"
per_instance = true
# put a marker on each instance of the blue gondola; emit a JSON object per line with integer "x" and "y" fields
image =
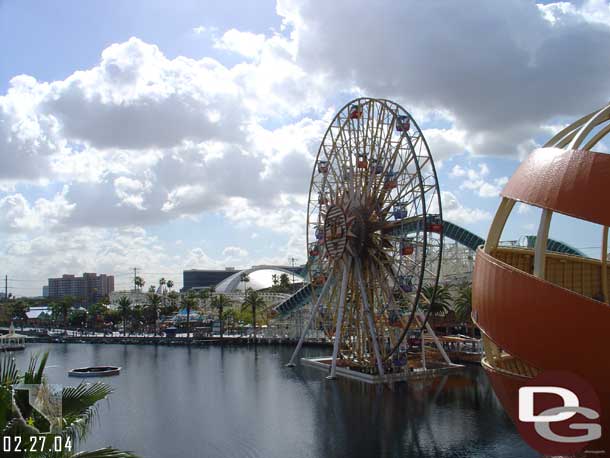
{"x": 400, "y": 212}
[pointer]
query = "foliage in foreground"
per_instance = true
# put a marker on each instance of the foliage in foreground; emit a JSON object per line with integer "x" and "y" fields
{"x": 19, "y": 419}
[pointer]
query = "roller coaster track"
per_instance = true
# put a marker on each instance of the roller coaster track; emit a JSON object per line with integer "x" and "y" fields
{"x": 450, "y": 230}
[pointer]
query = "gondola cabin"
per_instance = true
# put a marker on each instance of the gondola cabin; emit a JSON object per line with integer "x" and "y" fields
{"x": 355, "y": 111}
{"x": 405, "y": 283}
{"x": 390, "y": 181}
{"x": 362, "y": 162}
{"x": 314, "y": 252}
{"x": 435, "y": 227}
{"x": 322, "y": 199}
{"x": 394, "y": 318}
{"x": 406, "y": 247}
{"x": 320, "y": 233}
{"x": 400, "y": 212}
{"x": 319, "y": 280}
{"x": 403, "y": 124}
{"x": 322, "y": 166}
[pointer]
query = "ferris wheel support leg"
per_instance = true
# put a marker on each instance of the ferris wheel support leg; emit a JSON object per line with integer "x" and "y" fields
{"x": 312, "y": 316}
{"x": 436, "y": 341}
{"x": 369, "y": 319}
{"x": 333, "y": 367}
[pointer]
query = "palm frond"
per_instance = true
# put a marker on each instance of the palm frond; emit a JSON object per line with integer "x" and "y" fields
{"x": 9, "y": 374}
{"x": 79, "y": 406}
{"x": 35, "y": 373}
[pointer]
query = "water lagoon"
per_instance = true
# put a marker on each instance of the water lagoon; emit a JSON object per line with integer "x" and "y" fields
{"x": 237, "y": 402}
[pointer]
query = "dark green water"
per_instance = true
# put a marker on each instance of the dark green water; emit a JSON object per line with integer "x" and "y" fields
{"x": 243, "y": 403}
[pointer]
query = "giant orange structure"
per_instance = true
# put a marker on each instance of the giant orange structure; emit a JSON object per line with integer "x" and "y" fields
{"x": 538, "y": 310}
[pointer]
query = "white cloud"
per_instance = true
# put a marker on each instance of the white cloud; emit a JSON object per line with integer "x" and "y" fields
{"x": 17, "y": 214}
{"x": 246, "y": 44}
{"x": 499, "y": 90}
{"x": 234, "y": 252}
{"x": 457, "y": 213}
{"x": 475, "y": 180}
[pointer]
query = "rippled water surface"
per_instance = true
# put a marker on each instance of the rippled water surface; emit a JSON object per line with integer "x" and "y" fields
{"x": 238, "y": 402}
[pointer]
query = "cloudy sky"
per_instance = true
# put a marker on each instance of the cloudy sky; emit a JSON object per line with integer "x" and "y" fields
{"x": 169, "y": 135}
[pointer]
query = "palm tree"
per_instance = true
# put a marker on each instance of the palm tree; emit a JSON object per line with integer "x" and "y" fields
{"x": 139, "y": 282}
{"x": 95, "y": 312}
{"x": 463, "y": 304}
{"x": 172, "y": 305}
{"x": 188, "y": 303}
{"x": 253, "y": 301}
{"x": 62, "y": 309}
{"x": 154, "y": 303}
{"x": 442, "y": 299}
{"x": 124, "y": 304}
{"x": 219, "y": 302}
{"x": 79, "y": 408}
{"x": 170, "y": 284}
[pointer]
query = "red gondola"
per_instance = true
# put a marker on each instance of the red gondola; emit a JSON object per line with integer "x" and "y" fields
{"x": 390, "y": 181}
{"x": 319, "y": 280}
{"x": 355, "y": 112}
{"x": 362, "y": 162}
{"x": 434, "y": 227}
{"x": 407, "y": 248}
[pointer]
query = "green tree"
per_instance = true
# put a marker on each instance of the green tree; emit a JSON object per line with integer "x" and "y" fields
{"x": 285, "y": 283}
{"x": 78, "y": 404}
{"x": 125, "y": 309}
{"x": 230, "y": 317}
{"x": 77, "y": 318}
{"x": 18, "y": 311}
{"x": 152, "y": 309}
{"x": 139, "y": 282}
{"x": 463, "y": 304}
{"x": 189, "y": 302}
{"x": 219, "y": 302}
{"x": 96, "y": 314}
{"x": 253, "y": 302}
{"x": 440, "y": 305}
{"x": 170, "y": 284}
{"x": 62, "y": 309}
{"x": 171, "y": 305}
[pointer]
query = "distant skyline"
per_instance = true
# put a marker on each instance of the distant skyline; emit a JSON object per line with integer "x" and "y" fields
{"x": 179, "y": 135}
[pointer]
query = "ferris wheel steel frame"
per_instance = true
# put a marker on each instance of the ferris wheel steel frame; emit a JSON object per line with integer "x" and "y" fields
{"x": 374, "y": 235}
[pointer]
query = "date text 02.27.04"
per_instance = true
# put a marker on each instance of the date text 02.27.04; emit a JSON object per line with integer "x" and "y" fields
{"x": 42, "y": 443}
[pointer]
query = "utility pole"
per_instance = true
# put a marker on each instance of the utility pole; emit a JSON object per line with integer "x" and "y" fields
{"x": 135, "y": 272}
{"x": 6, "y": 287}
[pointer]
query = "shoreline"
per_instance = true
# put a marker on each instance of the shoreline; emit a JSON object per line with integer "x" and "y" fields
{"x": 174, "y": 341}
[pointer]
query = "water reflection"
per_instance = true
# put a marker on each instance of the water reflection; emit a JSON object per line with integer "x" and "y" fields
{"x": 242, "y": 402}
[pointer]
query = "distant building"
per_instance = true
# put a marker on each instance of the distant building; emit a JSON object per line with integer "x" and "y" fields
{"x": 45, "y": 291}
{"x": 196, "y": 278}
{"x": 88, "y": 289}
{"x": 228, "y": 280}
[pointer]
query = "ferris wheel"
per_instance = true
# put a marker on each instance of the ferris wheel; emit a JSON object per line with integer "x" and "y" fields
{"x": 374, "y": 234}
